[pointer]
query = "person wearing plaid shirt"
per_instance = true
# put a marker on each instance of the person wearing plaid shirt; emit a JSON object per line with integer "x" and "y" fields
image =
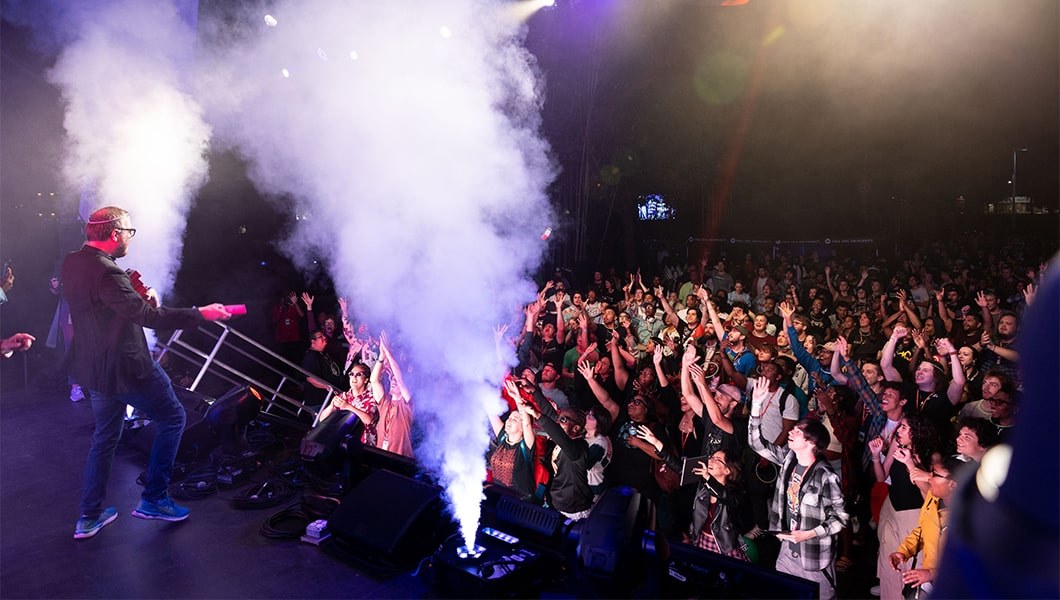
{"x": 808, "y": 500}
{"x": 869, "y": 399}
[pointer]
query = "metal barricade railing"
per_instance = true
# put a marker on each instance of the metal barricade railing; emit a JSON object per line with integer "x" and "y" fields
{"x": 219, "y": 351}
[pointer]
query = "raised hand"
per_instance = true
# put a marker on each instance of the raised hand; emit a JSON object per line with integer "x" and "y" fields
{"x": 586, "y": 370}
{"x": 786, "y": 309}
{"x": 657, "y": 355}
{"x": 876, "y": 446}
{"x": 513, "y": 390}
{"x": 900, "y": 331}
{"x": 689, "y": 356}
{"x": 499, "y": 331}
{"x": 583, "y": 319}
{"x": 944, "y": 346}
{"x": 759, "y": 394}
{"x": 918, "y": 339}
{"x": 308, "y": 300}
{"x": 697, "y": 373}
{"x": 1029, "y": 292}
{"x": 842, "y": 347}
{"x": 704, "y": 297}
{"x": 980, "y": 299}
{"x": 384, "y": 341}
{"x": 343, "y": 306}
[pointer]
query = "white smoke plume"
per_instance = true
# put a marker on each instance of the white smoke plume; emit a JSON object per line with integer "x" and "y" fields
{"x": 135, "y": 138}
{"x": 406, "y": 135}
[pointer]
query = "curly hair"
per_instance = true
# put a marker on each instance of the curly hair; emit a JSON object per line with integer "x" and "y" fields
{"x": 924, "y": 439}
{"x": 984, "y": 430}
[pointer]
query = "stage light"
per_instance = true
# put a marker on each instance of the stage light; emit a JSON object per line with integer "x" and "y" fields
{"x": 230, "y": 414}
{"x": 286, "y": 74}
{"x": 445, "y": 32}
{"x": 353, "y": 55}
{"x": 322, "y": 444}
{"x": 271, "y": 21}
{"x": 521, "y": 11}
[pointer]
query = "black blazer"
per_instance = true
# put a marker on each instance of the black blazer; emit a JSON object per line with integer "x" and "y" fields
{"x": 110, "y": 353}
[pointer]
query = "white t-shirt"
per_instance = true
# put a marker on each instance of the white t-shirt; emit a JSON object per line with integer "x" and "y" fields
{"x": 772, "y": 418}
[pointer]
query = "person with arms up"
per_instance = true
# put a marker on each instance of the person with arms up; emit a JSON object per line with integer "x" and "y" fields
{"x": 112, "y": 362}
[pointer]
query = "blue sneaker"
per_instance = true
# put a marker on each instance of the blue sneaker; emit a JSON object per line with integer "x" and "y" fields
{"x": 163, "y": 510}
{"x": 87, "y": 527}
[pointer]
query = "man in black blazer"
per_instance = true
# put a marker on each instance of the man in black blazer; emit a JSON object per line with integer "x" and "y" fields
{"x": 112, "y": 362}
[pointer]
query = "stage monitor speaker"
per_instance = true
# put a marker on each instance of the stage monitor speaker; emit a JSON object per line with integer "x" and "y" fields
{"x": 689, "y": 572}
{"x": 390, "y": 521}
{"x": 195, "y": 405}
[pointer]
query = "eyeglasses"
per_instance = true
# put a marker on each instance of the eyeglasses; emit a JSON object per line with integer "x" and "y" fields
{"x": 637, "y": 401}
{"x": 358, "y": 374}
{"x": 566, "y": 420}
{"x": 131, "y": 230}
{"x": 939, "y": 475}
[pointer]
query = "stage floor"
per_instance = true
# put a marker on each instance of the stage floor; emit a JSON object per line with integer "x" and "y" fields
{"x": 217, "y": 553}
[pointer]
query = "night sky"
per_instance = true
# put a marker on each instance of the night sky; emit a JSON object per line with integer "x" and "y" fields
{"x": 776, "y": 119}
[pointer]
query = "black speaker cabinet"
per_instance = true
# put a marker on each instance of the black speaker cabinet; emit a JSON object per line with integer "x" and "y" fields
{"x": 390, "y": 520}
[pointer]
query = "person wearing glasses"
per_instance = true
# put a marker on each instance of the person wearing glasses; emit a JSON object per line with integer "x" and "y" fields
{"x": 360, "y": 399}
{"x": 925, "y": 540}
{"x": 326, "y": 376}
{"x": 1003, "y": 406}
{"x": 992, "y": 382}
{"x": 113, "y": 364}
{"x": 568, "y": 491}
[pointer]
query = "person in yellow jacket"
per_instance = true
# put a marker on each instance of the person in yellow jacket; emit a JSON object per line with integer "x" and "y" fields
{"x": 926, "y": 538}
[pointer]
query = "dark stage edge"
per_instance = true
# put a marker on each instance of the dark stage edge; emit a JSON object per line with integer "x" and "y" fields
{"x": 217, "y": 553}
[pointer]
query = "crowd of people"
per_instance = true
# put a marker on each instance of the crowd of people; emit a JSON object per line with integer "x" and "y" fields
{"x": 780, "y": 411}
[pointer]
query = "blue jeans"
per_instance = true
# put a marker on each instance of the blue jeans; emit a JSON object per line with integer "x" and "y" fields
{"x": 158, "y": 400}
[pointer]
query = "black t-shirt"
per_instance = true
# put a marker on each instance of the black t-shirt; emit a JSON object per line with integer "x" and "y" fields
{"x": 936, "y": 408}
{"x": 903, "y": 492}
{"x": 325, "y": 368}
{"x": 630, "y": 465}
{"x": 818, "y": 325}
{"x": 550, "y": 351}
{"x": 716, "y": 438}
